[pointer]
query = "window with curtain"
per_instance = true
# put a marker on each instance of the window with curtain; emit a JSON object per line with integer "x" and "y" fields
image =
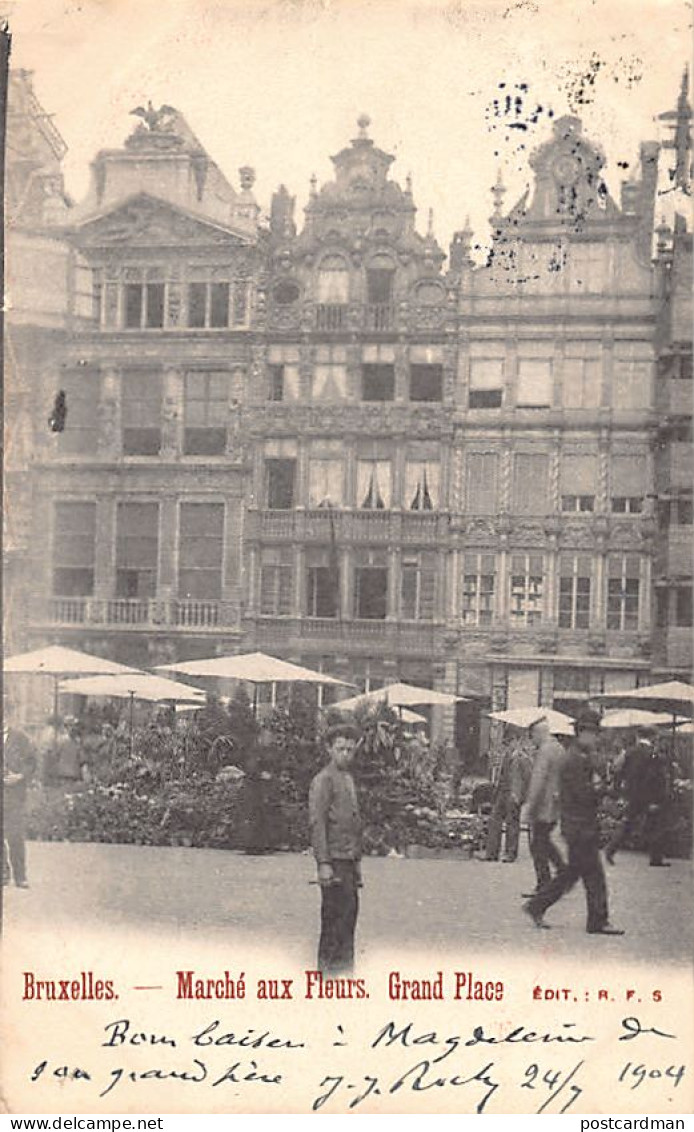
{"x": 137, "y": 549}
{"x": 575, "y": 580}
{"x": 322, "y": 583}
{"x": 74, "y": 548}
{"x": 623, "y": 592}
{"x": 200, "y": 550}
{"x": 329, "y": 374}
{"x": 141, "y": 412}
{"x": 486, "y": 383}
{"x": 534, "y": 383}
{"x": 326, "y": 482}
{"x": 374, "y": 485}
{"x": 479, "y": 581}
{"x": 527, "y": 585}
{"x": 531, "y": 483}
{"x": 418, "y": 586}
{"x": 422, "y": 479}
{"x": 206, "y": 399}
{"x": 276, "y": 582}
{"x": 283, "y": 373}
{"x": 333, "y": 281}
{"x": 481, "y": 473}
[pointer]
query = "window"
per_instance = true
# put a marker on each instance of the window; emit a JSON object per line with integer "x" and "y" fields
{"x": 144, "y": 306}
{"x": 527, "y": 577}
{"x": 481, "y": 475}
{"x": 534, "y": 383}
{"x": 141, "y": 413}
{"x": 330, "y": 374}
{"x": 684, "y": 370}
{"x": 374, "y": 485}
{"x": 479, "y": 577}
{"x": 575, "y": 575}
{"x": 137, "y": 549}
{"x": 326, "y": 482}
{"x": 208, "y": 305}
{"x": 280, "y": 484}
{"x": 486, "y": 383}
{"x": 628, "y": 484}
{"x": 200, "y": 550}
{"x": 632, "y": 379}
{"x": 531, "y": 483}
{"x": 572, "y": 682}
{"x": 283, "y": 373}
{"x": 205, "y": 413}
{"x": 333, "y": 281}
{"x": 81, "y": 432}
{"x": 379, "y": 285}
{"x": 683, "y": 606}
{"x": 422, "y": 485}
{"x": 276, "y": 582}
{"x": 623, "y": 592}
{"x": 378, "y": 382}
{"x": 74, "y": 542}
{"x": 418, "y": 586}
{"x": 285, "y": 292}
{"x": 426, "y": 382}
{"x": 578, "y": 502}
{"x": 370, "y": 592}
{"x": 681, "y": 511}
{"x": 322, "y": 586}
{"x": 582, "y": 376}
{"x": 627, "y": 504}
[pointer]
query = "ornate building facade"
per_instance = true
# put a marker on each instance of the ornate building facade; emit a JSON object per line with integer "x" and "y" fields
{"x": 329, "y": 443}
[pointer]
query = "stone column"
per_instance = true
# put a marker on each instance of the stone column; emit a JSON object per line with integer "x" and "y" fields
{"x": 168, "y": 550}
{"x": 252, "y": 582}
{"x": 110, "y": 426}
{"x": 394, "y": 562}
{"x": 105, "y": 554}
{"x": 299, "y": 571}
{"x": 401, "y": 373}
{"x": 172, "y": 413}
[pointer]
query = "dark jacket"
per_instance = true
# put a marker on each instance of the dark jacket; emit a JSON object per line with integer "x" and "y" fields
{"x": 578, "y": 796}
{"x": 334, "y": 820}
{"x": 19, "y": 764}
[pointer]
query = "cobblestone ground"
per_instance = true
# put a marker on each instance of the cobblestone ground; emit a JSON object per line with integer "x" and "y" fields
{"x": 439, "y": 906}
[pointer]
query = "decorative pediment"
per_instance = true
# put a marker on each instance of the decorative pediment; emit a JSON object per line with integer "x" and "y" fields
{"x": 146, "y": 221}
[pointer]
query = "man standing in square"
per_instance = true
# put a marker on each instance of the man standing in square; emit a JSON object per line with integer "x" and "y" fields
{"x": 335, "y": 827}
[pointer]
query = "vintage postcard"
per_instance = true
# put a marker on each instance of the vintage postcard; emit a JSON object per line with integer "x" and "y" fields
{"x": 347, "y": 597}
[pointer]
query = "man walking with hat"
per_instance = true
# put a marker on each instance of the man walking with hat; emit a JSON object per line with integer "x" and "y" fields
{"x": 579, "y": 827}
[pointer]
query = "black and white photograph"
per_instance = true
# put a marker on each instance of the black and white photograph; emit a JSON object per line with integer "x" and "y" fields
{"x": 347, "y": 543}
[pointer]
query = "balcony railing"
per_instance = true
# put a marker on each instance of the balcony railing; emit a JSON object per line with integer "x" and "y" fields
{"x": 141, "y": 612}
{"x": 379, "y": 316}
{"x": 390, "y": 636}
{"x": 331, "y": 316}
{"x": 318, "y": 524}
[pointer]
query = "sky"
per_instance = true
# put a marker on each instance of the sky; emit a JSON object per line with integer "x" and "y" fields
{"x": 455, "y": 89}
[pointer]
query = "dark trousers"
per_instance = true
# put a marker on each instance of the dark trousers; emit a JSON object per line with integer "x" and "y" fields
{"x": 14, "y": 851}
{"x": 584, "y": 864}
{"x": 544, "y": 852}
{"x": 654, "y": 828}
{"x": 504, "y": 810}
{"x": 338, "y": 919}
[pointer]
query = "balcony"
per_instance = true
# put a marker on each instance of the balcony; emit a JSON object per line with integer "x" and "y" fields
{"x": 320, "y": 525}
{"x": 332, "y": 316}
{"x": 388, "y": 637}
{"x": 140, "y": 613}
{"x": 379, "y": 317}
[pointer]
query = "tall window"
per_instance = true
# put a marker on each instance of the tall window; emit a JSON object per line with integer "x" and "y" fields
{"x": 628, "y": 484}
{"x": 326, "y": 482}
{"x": 276, "y": 582}
{"x": 208, "y": 305}
{"x": 418, "y": 586}
{"x": 283, "y": 373}
{"x": 683, "y": 606}
{"x": 426, "y": 382}
{"x": 422, "y": 479}
{"x": 623, "y": 592}
{"x": 531, "y": 483}
{"x": 481, "y": 470}
{"x": 205, "y": 413}
{"x": 333, "y": 281}
{"x": 379, "y": 284}
{"x": 81, "y": 432}
{"x": 143, "y": 305}
{"x": 575, "y": 573}
{"x": 486, "y": 383}
{"x": 280, "y": 474}
{"x": 676, "y": 511}
{"x": 579, "y": 477}
{"x": 141, "y": 413}
{"x": 137, "y": 549}
{"x": 330, "y": 374}
{"x": 582, "y": 376}
{"x": 527, "y": 583}
{"x": 632, "y": 381}
{"x": 74, "y": 542}
{"x": 322, "y": 584}
{"x": 371, "y": 592}
{"x": 374, "y": 485}
{"x": 378, "y": 382}
{"x": 200, "y": 550}
{"x": 534, "y": 383}
{"x": 479, "y": 579}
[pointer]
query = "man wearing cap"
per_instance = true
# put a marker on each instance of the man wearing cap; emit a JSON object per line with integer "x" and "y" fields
{"x": 335, "y": 827}
{"x": 542, "y": 804}
{"x": 579, "y": 827}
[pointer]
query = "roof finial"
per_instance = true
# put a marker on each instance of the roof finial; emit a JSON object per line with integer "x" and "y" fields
{"x": 363, "y": 122}
{"x": 498, "y": 194}
{"x": 430, "y": 224}
{"x": 408, "y": 184}
{"x": 314, "y": 185}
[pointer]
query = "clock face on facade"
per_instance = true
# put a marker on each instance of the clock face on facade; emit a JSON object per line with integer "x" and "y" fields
{"x": 566, "y": 170}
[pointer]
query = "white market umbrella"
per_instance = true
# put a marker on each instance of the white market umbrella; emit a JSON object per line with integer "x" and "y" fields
{"x": 524, "y": 717}
{"x": 400, "y": 696}
{"x": 255, "y": 668}
{"x": 412, "y": 717}
{"x": 58, "y": 662}
{"x": 674, "y": 697}
{"x": 634, "y": 717}
{"x": 135, "y": 686}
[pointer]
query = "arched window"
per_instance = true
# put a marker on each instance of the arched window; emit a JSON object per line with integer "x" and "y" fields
{"x": 333, "y": 281}
{"x": 380, "y": 273}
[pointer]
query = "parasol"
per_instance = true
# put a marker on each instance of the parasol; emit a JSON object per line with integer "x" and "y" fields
{"x": 524, "y": 717}
{"x": 399, "y": 695}
{"x": 634, "y": 717}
